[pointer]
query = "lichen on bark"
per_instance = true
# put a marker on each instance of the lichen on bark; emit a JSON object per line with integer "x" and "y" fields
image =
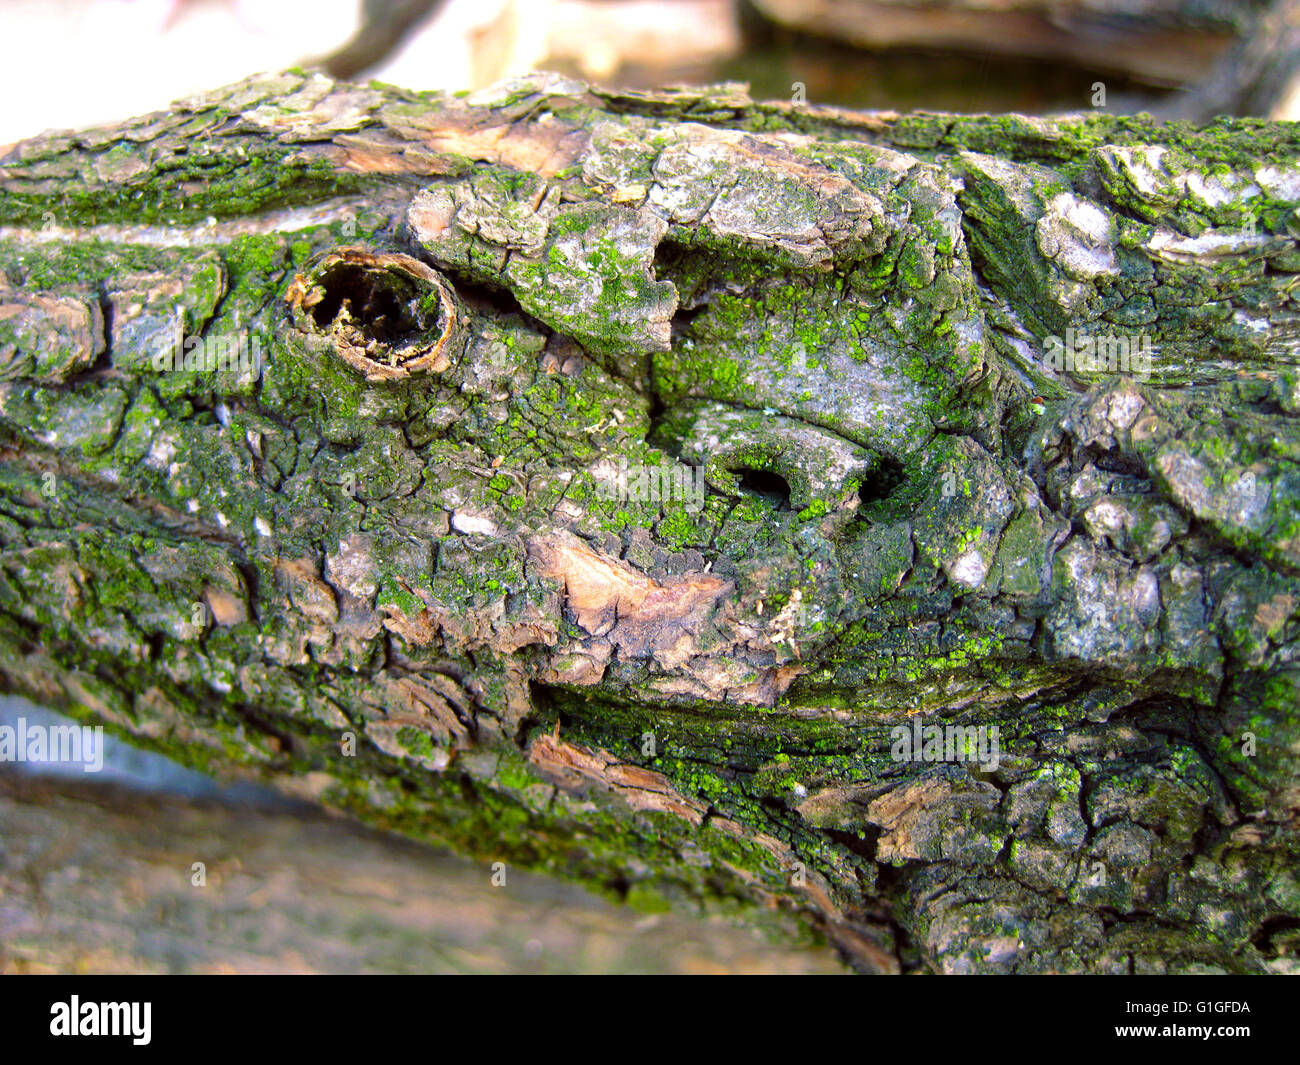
{"x": 909, "y": 508}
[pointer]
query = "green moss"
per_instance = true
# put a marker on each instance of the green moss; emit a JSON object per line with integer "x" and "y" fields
{"x": 226, "y": 180}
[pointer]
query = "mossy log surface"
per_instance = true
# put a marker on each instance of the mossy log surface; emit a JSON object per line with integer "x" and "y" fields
{"x": 380, "y": 562}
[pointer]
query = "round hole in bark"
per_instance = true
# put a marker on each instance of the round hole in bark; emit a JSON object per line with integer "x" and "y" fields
{"x": 881, "y": 482}
{"x": 388, "y": 315}
{"x": 769, "y": 486}
{"x": 382, "y": 303}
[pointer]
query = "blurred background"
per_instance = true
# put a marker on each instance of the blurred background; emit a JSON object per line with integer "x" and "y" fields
{"x": 96, "y": 874}
{"x": 72, "y": 63}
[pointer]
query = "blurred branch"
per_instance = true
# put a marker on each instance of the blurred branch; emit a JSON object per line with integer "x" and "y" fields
{"x": 1254, "y": 77}
{"x": 385, "y": 24}
{"x": 95, "y": 878}
{"x": 1166, "y": 44}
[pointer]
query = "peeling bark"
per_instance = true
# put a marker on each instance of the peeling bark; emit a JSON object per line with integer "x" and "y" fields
{"x": 754, "y": 437}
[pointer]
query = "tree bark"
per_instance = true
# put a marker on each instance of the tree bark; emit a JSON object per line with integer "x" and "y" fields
{"x": 627, "y": 486}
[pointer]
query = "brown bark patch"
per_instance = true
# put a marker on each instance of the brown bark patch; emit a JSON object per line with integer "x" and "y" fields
{"x": 310, "y": 595}
{"x": 544, "y": 147}
{"x": 574, "y": 768}
{"x": 606, "y": 595}
{"x": 58, "y": 335}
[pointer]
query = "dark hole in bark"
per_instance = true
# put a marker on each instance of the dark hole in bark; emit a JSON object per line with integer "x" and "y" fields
{"x": 1115, "y": 461}
{"x": 881, "y": 482}
{"x": 1274, "y": 933}
{"x": 681, "y": 325}
{"x": 769, "y": 486}
{"x": 383, "y": 303}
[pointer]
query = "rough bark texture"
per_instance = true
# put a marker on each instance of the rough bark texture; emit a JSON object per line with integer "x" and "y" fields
{"x": 475, "y": 310}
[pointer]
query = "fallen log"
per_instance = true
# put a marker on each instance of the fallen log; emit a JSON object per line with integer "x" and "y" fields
{"x": 887, "y": 518}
